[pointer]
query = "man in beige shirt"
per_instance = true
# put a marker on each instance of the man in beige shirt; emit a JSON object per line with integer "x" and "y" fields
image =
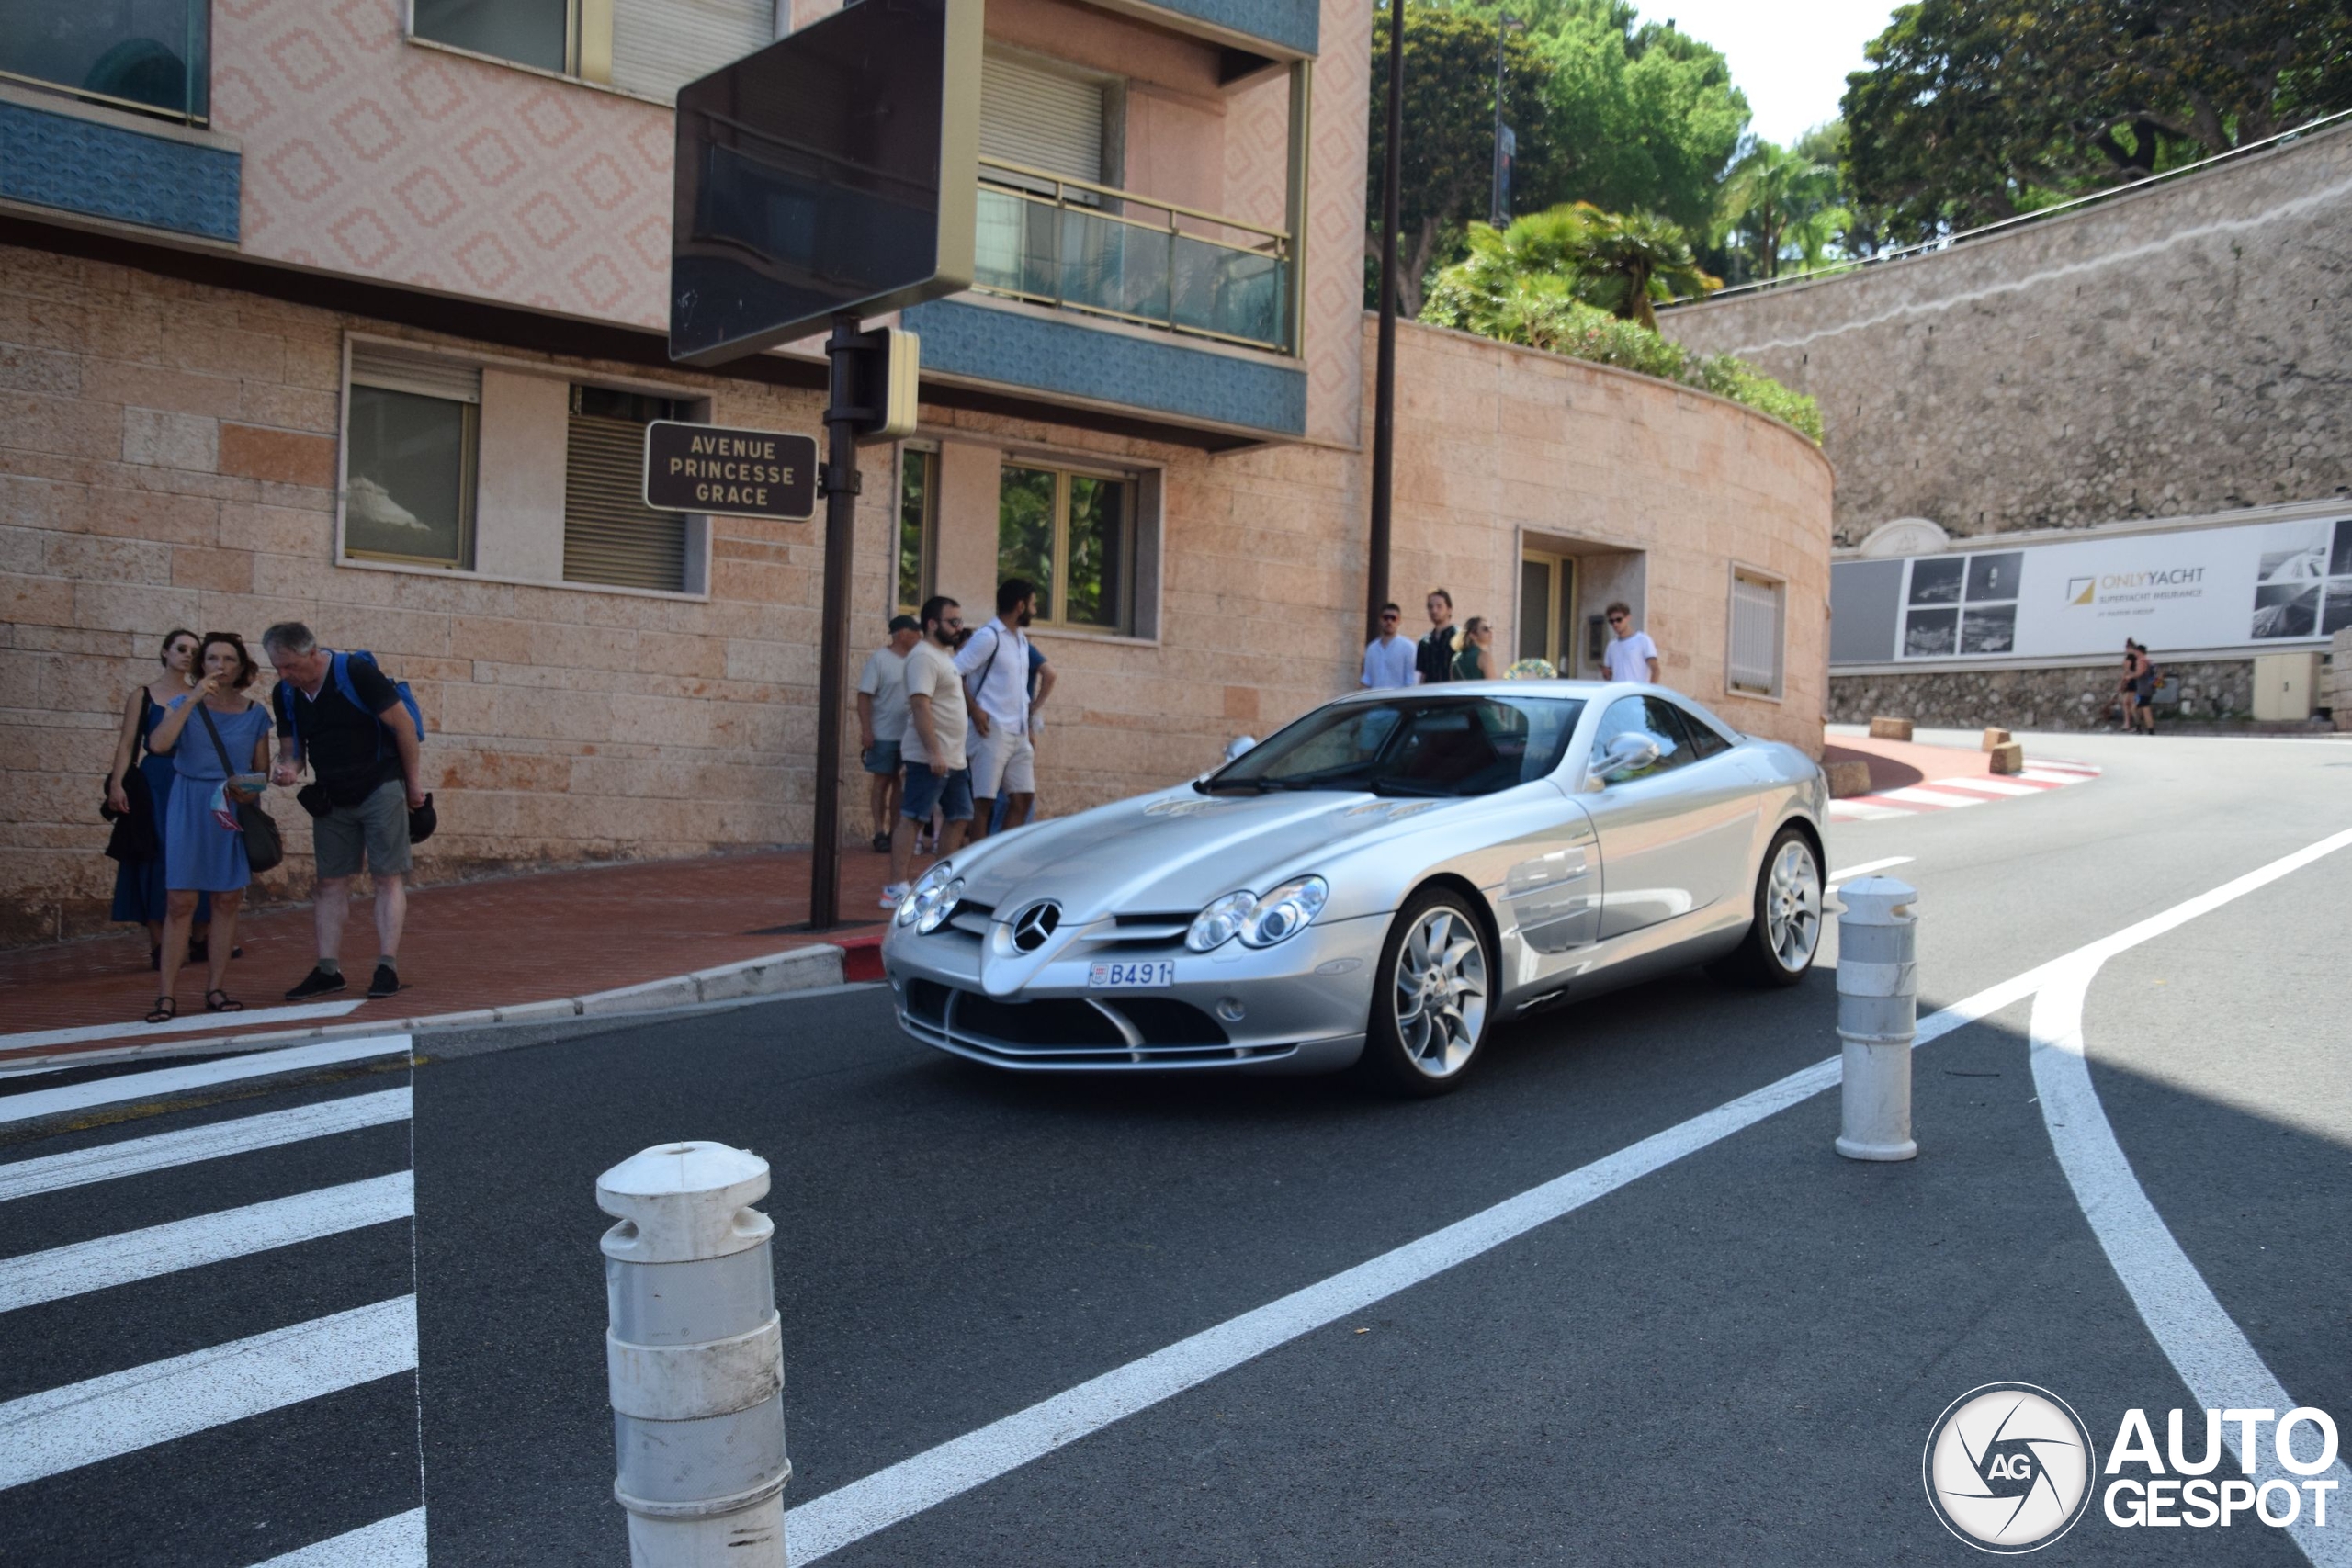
{"x": 938, "y": 772}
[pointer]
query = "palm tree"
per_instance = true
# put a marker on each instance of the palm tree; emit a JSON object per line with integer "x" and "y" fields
{"x": 1784, "y": 197}
{"x": 1573, "y": 252}
{"x": 1626, "y": 263}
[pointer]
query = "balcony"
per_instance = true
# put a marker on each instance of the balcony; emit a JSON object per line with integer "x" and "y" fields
{"x": 1051, "y": 240}
{"x": 150, "y": 57}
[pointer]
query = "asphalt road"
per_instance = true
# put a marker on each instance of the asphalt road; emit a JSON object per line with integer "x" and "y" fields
{"x": 1735, "y": 1358}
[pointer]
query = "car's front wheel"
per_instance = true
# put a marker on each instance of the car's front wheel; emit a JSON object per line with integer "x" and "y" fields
{"x": 1433, "y": 996}
{"x": 1786, "y": 932}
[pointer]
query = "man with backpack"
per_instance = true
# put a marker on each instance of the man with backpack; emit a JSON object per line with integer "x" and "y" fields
{"x": 359, "y": 731}
{"x": 995, "y": 668}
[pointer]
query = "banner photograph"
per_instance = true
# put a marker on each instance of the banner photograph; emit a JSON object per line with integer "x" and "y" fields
{"x": 2247, "y": 586}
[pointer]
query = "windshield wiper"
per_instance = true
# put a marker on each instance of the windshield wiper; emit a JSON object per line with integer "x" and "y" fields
{"x": 1419, "y": 792}
{"x": 1232, "y": 786}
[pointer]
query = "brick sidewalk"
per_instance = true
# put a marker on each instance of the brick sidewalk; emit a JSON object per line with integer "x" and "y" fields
{"x": 492, "y": 943}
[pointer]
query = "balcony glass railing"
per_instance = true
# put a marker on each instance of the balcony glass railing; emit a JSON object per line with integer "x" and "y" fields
{"x": 1079, "y": 246}
{"x": 155, "y": 56}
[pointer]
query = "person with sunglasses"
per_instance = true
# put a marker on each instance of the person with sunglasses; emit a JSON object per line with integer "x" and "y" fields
{"x": 1388, "y": 657}
{"x": 1632, "y": 656}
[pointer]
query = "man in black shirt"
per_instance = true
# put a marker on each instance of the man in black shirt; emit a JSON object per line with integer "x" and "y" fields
{"x": 368, "y": 776}
{"x": 1433, "y": 657}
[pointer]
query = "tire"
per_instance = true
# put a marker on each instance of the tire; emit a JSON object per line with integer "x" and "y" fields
{"x": 1784, "y": 931}
{"x": 1431, "y": 1011}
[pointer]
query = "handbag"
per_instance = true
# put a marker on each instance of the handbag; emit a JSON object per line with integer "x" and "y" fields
{"x": 133, "y": 840}
{"x": 264, "y": 847}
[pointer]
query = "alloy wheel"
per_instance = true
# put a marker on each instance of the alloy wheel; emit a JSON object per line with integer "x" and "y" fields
{"x": 1440, "y": 992}
{"x": 1792, "y": 907}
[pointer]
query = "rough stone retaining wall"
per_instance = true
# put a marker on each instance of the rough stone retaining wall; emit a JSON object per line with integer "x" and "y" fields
{"x": 2033, "y": 699}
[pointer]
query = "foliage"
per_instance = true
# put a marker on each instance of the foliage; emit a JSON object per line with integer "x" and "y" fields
{"x": 1782, "y": 204}
{"x": 1521, "y": 287}
{"x": 1621, "y": 264}
{"x": 1976, "y": 110}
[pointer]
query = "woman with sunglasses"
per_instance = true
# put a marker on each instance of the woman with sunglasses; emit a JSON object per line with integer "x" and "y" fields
{"x": 139, "y": 895}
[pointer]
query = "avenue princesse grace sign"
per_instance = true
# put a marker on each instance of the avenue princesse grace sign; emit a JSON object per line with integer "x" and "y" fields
{"x": 733, "y": 473}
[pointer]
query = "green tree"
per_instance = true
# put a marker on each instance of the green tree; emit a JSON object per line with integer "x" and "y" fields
{"x": 1976, "y": 110}
{"x": 1781, "y": 204}
{"x": 1619, "y": 264}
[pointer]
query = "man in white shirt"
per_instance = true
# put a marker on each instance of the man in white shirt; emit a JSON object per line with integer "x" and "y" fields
{"x": 1389, "y": 659}
{"x": 937, "y": 771}
{"x": 882, "y": 722}
{"x": 995, "y": 667}
{"x": 1632, "y": 656}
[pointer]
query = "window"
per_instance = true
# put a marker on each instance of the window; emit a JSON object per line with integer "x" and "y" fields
{"x": 1652, "y": 717}
{"x": 409, "y": 468}
{"x": 1432, "y": 743}
{"x": 918, "y": 525}
{"x": 1041, "y": 118}
{"x": 134, "y": 54}
{"x": 610, "y": 536}
{"x": 1073, "y": 535}
{"x": 545, "y": 33}
{"x": 654, "y": 47}
{"x": 1756, "y": 634}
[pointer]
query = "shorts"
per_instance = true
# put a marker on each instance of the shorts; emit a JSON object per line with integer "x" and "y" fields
{"x": 951, "y": 792}
{"x": 375, "y": 830}
{"x": 2145, "y": 688}
{"x": 1004, "y": 763}
{"x": 882, "y": 757}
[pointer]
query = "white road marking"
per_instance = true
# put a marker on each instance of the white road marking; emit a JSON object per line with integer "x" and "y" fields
{"x": 2042, "y": 772}
{"x": 144, "y": 1254}
{"x": 1919, "y": 794}
{"x": 1863, "y": 811}
{"x": 172, "y": 1080}
{"x": 2205, "y": 1346}
{"x": 1867, "y": 867}
{"x": 135, "y": 1156}
{"x": 65, "y": 1428}
{"x": 850, "y": 1513}
{"x": 396, "y": 1542}
{"x": 1991, "y": 786}
{"x": 212, "y": 1020}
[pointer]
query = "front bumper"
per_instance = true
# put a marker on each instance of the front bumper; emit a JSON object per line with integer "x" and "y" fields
{"x": 1303, "y": 1003}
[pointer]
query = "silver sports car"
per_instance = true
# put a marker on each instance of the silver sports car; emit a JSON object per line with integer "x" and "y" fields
{"x": 1379, "y": 883}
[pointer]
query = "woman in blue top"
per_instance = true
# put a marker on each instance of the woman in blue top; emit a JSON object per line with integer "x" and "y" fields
{"x": 200, "y": 854}
{"x": 138, "y": 885}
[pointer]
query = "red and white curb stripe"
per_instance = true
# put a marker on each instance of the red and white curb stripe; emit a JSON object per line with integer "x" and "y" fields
{"x": 1945, "y": 794}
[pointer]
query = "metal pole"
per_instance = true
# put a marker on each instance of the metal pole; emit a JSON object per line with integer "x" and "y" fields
{"x": 1384, "y": 396}
{"x": 695, "y": 1357}
{"x": 1878, "y": 1014}
{"x": 1495, "y": 200}
{"x": 840, "y": 487}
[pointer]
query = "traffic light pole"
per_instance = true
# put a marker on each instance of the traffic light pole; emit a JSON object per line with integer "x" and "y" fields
{"x": 841, "y": 486}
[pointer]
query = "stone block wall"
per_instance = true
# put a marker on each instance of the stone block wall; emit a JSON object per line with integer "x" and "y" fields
{"x": 2177, "y": 350}
{"x": 2035, "y": 699}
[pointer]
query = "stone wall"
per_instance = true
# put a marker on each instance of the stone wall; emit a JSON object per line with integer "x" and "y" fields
{"x": 2034, "y": 699}
{"x": 2182, "y": 349}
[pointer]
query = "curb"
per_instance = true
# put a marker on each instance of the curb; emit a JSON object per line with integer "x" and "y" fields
{"x": 775, "y": 974}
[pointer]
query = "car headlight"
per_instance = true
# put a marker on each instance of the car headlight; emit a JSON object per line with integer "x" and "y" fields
{"x": 1213, "y": 926}
{"x": 932, "y": 898}
{"x": 1284, "y": 912}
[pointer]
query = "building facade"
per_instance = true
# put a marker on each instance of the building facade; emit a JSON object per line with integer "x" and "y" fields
{"x": 355, "y": 314}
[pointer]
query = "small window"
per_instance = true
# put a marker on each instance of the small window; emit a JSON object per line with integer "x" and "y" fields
{"x": 918, "y": 525}
{"x": 1074, "y": 535}
{"x": 1757, "y": 603}
{"x": 544, "y": 33}
{"x": 610, "y": 537}
{"x": 408, "y": 462}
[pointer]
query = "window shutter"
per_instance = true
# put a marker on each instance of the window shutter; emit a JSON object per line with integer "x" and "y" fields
{"x": 610, "y": 536}
{"x": 659, "y": 46}
{"x": 1042, "y": 118}
{"x": 1755, "y": 635}
{"x": 404, "y": 370}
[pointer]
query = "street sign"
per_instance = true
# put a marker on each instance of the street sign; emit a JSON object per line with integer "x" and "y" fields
{"x": 832, "y": 173}
{"x": 729, "y": 473}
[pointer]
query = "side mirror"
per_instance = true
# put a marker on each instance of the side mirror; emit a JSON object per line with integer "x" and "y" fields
{"x": 1237, "y": 745}
{"x": 1629, "y": 753}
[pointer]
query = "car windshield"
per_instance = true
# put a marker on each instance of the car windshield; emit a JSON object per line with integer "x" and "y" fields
{"x": 1431, "y": 744}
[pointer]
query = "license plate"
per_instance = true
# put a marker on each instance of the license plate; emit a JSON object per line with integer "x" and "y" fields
{"x": 1150, "y": 973}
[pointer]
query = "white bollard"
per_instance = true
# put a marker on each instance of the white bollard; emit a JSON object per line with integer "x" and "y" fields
{"x": 696, "y": 1358}
{"x": 1878, "y": 1015}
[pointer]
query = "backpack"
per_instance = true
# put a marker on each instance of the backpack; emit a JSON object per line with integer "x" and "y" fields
{"x": 339, "y": 671}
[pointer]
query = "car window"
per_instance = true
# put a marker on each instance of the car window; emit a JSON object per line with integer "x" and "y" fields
{"x": 1429, "y": 744}
{"x": 1652, "y": 717}
{"x": 1706, "y": 740}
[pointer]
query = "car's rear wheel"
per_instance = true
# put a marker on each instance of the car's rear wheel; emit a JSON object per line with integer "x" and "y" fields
{"x": 1433, "y": 996}
{"x": 1786, "y": 932}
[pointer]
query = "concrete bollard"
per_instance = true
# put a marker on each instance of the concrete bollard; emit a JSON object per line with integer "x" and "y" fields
{"x": 1885, "y": 729}
{"x": 2008, "y": 757}
{"x": 1996, "y": 738}
{"x": 1878, "y": 1014}
{"x": 696, "y": 1358}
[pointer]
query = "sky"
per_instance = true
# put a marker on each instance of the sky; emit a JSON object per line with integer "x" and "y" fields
{"x": 1791, "y": 61}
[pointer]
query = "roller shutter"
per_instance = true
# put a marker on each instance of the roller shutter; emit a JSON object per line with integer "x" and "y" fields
{"x": 610, "y": 536}
{"x": 1755, "y": 635}
{"x": 1045, "y": 118}
{"x": 405, "y": 370}
{"x": 659, "y": 46}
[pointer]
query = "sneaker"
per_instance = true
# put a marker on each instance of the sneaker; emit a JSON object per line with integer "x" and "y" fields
{"x": 893, "y": 894}
{"x": 387, "y": 982}
{"x": 318, "y": 982}
{"x": 881, "y": 843}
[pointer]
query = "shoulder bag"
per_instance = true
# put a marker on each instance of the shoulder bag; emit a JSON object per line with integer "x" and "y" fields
{"x": 264, "y": 848}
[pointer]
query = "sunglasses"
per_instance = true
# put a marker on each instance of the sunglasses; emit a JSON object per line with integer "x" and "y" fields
{"x": 1387, "y": 618}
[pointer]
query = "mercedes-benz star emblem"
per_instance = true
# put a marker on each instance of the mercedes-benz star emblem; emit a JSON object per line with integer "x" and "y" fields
{"x": 1033, "y": 925}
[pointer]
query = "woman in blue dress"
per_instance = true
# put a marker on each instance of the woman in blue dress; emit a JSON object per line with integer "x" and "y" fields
{"x": 200, "y": 854}
{"x": 138, "y": 885}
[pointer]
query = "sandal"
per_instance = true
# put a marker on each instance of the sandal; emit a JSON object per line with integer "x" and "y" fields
{"x": 163, "y": 1012}
{"x": 226, "y": 1003}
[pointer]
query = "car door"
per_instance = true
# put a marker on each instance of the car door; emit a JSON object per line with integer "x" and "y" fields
{"x": 1671, "y": 835}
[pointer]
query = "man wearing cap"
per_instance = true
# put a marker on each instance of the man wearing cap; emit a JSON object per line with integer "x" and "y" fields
{"x": 882, "y": 723}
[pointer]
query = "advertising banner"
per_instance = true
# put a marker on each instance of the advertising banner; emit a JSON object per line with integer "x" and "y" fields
{"x": 2257, "y": 586}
